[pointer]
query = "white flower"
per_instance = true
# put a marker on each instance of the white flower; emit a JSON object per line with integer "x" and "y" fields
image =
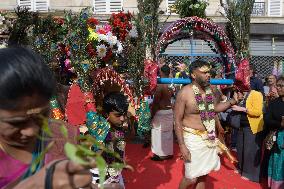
{"x": 119, "y": 47}
{"x": 102, "y": 37}
{"x": 208, "y": 91}
{"x": 101, "y": 50}
{"x": 211, "y": 107}
{"x": 112, "y": 172}
{"x": 201, "y": 107}
{"x": 121, "y": 145}
{"x": 112, "y": 40}
{"x": 3, "y": 45}
{"x": 212, "y": 122}
{"x": 133, "y": 33}
{"x": 195, "y": 90}
{"x": 2, "y": 18}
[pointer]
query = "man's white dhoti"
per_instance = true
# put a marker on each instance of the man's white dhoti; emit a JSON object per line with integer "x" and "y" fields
{"x": 204, "y": 159}
{"x": 162, "y": 133}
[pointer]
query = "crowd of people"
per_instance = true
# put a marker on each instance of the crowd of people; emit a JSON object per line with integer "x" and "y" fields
{"x": 195, "y": 114}
{"x": 254, "y": 123}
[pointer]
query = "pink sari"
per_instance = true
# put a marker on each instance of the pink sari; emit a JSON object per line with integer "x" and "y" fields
{"x": 12, "y": 170}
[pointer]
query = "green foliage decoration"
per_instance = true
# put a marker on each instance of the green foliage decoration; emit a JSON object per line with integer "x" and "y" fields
{"x": 189, "y": 8}
{"x": 238, "y": 13}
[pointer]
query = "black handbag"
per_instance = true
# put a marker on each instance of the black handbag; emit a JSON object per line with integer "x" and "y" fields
{"x": 234, "y": 119}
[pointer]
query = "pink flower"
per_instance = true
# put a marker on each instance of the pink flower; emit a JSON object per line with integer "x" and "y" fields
{"x": 209, "y": 98}
{"x": 67, "y": 63}
{"x": 202, "y": 115}
{"x": 101, "y": 31}
{"x": 107, "y": 28}
{"x": 211, "y": 115}
{"x": 198, "y": 98}
{"x": 68, "y": 53}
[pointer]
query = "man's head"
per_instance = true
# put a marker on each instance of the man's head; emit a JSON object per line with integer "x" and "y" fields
{"x": 26, "y": 86}
{"x": 200, "y": 72}
{"x": 252, "y": 70}
{"x": 271, "y": 80}
{"x": 115, "y": 106}
{"x": 165, "y": 71}
{"x": 181, "y": 67}
{"x": 280, "y": 86}
{"x": 162, "y": 61}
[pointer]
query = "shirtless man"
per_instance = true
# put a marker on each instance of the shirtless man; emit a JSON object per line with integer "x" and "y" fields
{"x": 197, "y": 146}
{"x": 162, "y": 123}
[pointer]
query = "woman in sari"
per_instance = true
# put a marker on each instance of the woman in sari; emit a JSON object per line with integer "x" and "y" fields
{"x": 26, "y": 86}
{"x": 275, "y": 123}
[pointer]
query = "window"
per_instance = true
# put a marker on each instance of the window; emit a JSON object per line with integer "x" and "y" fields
{"x": 169, "y": 4}
{"x": 35, "y": 5}
{"x": 107, "y": 6}
{"x": 258, "y": 8}
{"x": 275, "y": 7}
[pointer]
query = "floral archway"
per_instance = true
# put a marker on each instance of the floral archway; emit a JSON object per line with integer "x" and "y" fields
{"x": 206, "y": 30}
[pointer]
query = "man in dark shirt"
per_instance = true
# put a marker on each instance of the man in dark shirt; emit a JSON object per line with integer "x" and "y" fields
{"x": 255, "y": 83}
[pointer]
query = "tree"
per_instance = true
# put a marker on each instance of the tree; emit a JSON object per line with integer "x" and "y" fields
{"x": 188, "y": 8}
{"x": 148, "y": 25}
{"x": 238, "y": 13}
{"x": 144, "y": 46}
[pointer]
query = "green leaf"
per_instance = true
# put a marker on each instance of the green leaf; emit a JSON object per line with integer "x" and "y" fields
{"x": 41, "y": 156}
{"x": 64, "y": 131}
{"x": 45, "y": 127}
{"x": 71, "y": 152}
{"x": 86, "y": 151}
{"x": 101, "y": 165}
{"x": 117, "y": 166}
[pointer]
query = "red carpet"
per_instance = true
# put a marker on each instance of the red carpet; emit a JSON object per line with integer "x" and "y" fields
{"x": 167, "y": 174}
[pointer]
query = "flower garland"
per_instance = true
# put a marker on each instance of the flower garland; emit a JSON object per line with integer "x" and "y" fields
{"x": 206, "y": 109}
{"x": 121, "y": 24}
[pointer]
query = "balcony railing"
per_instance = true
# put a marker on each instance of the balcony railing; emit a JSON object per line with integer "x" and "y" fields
{"x": 258, "y": 9}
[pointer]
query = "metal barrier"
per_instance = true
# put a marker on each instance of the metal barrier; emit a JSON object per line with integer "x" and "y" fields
{"x": 263, "y": 64}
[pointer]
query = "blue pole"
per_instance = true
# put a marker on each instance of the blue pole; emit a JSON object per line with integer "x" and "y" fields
{"x": 188, "y": 81}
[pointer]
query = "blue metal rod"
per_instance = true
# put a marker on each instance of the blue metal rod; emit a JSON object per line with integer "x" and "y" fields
{"x": 193, "y": 54}
{"x": 188, "y": 81}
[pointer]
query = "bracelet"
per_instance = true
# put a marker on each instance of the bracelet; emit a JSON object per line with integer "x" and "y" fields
{"x": 49, "y": 175}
